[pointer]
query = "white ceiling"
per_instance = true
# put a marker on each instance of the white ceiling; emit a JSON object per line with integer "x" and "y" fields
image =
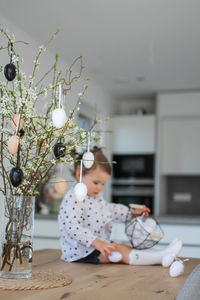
{"x": 132, "y": 48}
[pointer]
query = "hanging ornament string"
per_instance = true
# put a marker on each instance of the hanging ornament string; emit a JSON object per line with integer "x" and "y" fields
{"x": 60, "y": 96}
{"x": 88, "y": 142}
{"x": 11, "y": 52}
{"x": 88, "y": 157}
{"x": 61, "y": 168}
{"x": 81, "y": 170}
{"x": 18, "y": 123}
{"x": 18, "y": 156}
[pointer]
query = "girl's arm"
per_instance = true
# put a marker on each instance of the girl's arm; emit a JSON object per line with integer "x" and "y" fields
{"x": 119, "y": 211}
{"x": 105, "y": 248}
{"x": 122, "y": 213}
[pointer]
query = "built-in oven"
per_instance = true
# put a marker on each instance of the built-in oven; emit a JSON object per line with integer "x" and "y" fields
{"x": 133, "y": 166}
{"x": 133, "y": 179}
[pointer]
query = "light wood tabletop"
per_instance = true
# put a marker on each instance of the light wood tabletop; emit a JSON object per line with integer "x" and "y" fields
{"x": 103, "y": 282}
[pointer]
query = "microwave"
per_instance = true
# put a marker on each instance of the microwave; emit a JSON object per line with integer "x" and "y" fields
{"x": 133, "y": 166}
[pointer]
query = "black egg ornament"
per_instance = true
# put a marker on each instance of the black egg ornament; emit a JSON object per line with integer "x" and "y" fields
{"x": 10, "y": 71}
{"x": 16, "y": 176}
{"x": 59, "y": 150}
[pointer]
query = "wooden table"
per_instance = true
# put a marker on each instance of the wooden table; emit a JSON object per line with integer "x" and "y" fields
{"x": 104, "y": 282}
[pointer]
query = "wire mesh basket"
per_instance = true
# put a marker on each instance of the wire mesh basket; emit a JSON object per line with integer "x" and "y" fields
{"x": 143, "y": 233}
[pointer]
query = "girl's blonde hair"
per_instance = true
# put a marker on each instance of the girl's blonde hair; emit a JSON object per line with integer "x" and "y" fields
{"x": 99, "y": 160}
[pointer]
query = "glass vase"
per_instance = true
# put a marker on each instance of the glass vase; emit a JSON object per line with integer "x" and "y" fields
{"x": 17, "y": 220}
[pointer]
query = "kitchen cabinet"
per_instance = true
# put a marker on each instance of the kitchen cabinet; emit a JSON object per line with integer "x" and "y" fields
{"x": 133, "y": 134}
{"x": 180, "y": 142}
{"x": 178, "y": 104}
{"x": 46, "y": 234}
{"x": 177, "y": 150}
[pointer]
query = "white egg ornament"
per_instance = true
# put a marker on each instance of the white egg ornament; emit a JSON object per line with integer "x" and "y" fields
{"x": 137, "y": 233}
{"x": 151, "y": 223}
{"x": 176, "y": 269}
{"x": 147, "y": 228}
{"x": 115, "y": 257}
{"x": 88, "y": 159}
{"x": 58, "y": 117}
{"x": 138, "y": 226}
{"x": 13, "y": 144}
{"x": 168, "y": 259}
{"x": 60, "y": 186}
{"x": 80, "y": 191}
{"x": 62, "y": 129}
{"x": 141, "y": 239}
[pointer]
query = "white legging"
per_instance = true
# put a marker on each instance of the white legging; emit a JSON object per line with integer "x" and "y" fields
{"x": 153, "y": 256}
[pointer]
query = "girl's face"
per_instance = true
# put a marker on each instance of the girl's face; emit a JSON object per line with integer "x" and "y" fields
{"x": 94, "y": 180}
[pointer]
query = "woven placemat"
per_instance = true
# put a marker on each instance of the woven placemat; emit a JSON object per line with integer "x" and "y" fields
{"x": 38, "y": 281}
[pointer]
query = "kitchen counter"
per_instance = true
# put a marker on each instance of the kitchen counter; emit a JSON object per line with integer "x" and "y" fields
{"x": 179, "y": 220}
{"x": 164, "y": 219}
{"x": 106, "y": 282}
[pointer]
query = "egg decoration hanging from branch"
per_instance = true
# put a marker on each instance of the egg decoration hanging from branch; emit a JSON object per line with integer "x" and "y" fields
{"x": 16, "y": 174}
{"x": 58, "y": 117}
{"x": 88, "y": 156}
{"x": 80, "y": 189}
{"x": 14, "y": 122}
{"x": 14, "y": 140}
{"x": 13, "y": 144}
{"x": 58, "y": 114}
{"x": 59, "y": 149}
{"x": 60, "y": 186}
{"x": 10, "y": 69}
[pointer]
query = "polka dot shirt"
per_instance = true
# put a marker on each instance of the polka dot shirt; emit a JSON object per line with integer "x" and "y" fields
{"x": 81, "y": 222}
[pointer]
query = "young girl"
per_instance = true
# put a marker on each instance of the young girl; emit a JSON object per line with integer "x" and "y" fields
{"x": 85, "y": 226}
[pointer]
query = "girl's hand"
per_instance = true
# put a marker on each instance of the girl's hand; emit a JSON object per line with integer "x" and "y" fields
{"x": 104, "y": 247}
{"x": 138, "y": 212}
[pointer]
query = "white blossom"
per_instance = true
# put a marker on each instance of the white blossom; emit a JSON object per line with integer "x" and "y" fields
{"x": 42, "y": 48}
{"x": 40, "y": 136}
